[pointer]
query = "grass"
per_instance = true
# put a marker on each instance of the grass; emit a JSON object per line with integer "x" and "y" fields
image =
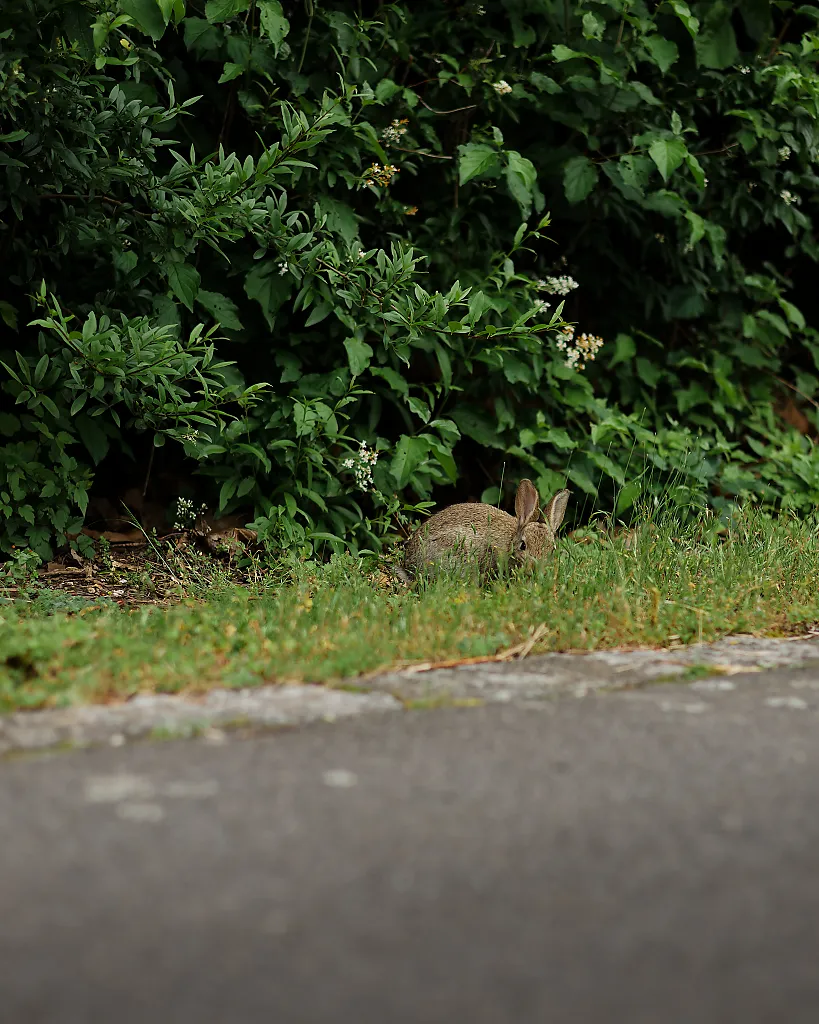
{"x": 659, "y": 585}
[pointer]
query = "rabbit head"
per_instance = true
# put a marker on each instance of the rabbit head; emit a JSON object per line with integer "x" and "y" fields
{"x": 534, "y": 536}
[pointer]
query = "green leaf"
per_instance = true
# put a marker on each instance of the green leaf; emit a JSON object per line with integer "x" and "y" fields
{"x": 793, "y": 313}
{"x": 221, "y": 308}
{"x": 663, "y": 51}
{"x": 628, "y": 494}
{"x": 8, "y": 314}
{"x": 717, "y": 48}
{"x": 269, "y": 288}
{"x": 648, "y": 372}
{"x": 226, "y": 492}
{"x": 386, "y": 90}
{"x": 221, "y": 10}
{"x": 516, "y": 370}
{"x": 421, "y": 409}
{"x": 562, "y": 53}
{"x": 624, "y": 349}
{"x": 359, "y": 354}
{"x": 183, "y": 280}
{"x": 521, "y": 180}
{"x": 16, "y": 136}
{"x": 78, "y": 403}
{"x": 9, "y": 424}
{"x": 230, "y": 72}
{"x": 274, "y": 24}
{"x": 593, "y": 27}
{"x": 475, "y": 158}
{"x": 697, "y": 227}
{"x": 558, "y": 437}
{"x": 40, "y": 369}
{"x": 667, "y": 154}
{"x": 683, "y": 12}
{"x": 579, "y": 178}
{"x": 578, "y": 475}
{"x": 479, "y": 427}
{"x": 320, "y": 312}
{"x": 395, "y": 380}
{"x": 341, "y": 218}
{"x": 544, "y": 84}
{"x": 93, "y": 437}
{"x": 146, "y": 16}
{"x": 201, "y": 36}
{"x": 697, "y": 173}
{"x": 410, "y": 452}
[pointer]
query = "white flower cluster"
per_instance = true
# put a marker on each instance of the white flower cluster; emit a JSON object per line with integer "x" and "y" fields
{"x": 580, "y": 351}
{"x": 282, "y": 267}
{"x": 788, "y": 198}
{"x": 557, "y": 285}
{"x": 784, "y": 152}
{"x": 395, "y": 131}
{"x": 541, "y": 305}
{"x": 378, "y": 175}
{"x": 361, "y": 463}
{"x": 745, "y": 70}
{"x": 186, "y": 514}
{"x": 502, "y": 88}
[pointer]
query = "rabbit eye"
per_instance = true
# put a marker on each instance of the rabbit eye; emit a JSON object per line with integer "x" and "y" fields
{"x": 522, "y": 546}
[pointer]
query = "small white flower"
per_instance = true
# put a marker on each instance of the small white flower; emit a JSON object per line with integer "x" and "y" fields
{"x": 186, "y": 514}
{"x": 361, "y": 463}
{"x": 745, "y": 70}
{"x": 784, "y": 152}
{"x": 282, "y": 267}
{"x": 705, "y": 182}
{"x": 502, "y": 87}
{"x": 557, "y": 285}
{"x": 395, "y": 131}
{"x": 361, "y": 254}
{"x": 788, "y": 197}
{"x": 578, "y": 353}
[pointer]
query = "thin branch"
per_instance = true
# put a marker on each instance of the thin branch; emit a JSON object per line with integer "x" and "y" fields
{"x": 457, "y": 110}
{"x": 796, "y": 391}
{"x": 716, "y": 152}
{"x": 420, "y": 152}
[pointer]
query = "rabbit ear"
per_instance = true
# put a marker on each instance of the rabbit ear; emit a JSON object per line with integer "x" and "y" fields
{"x": 526, "y": 502}
{"x": 553, "y": 512}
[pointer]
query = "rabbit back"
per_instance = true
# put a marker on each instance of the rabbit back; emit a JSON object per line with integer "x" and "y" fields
{"x": 478, "y": 529}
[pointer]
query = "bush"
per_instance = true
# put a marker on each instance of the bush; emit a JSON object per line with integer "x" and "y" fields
{"x": 348, "y": 203}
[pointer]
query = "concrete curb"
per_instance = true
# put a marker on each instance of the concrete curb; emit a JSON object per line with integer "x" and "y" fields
{"x": 536, "y": 678}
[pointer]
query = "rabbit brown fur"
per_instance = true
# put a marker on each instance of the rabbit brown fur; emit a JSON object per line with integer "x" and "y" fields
{"x": 488, "y": 534}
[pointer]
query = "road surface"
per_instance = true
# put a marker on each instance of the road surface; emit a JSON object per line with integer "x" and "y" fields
{"x": 648, "y": 857}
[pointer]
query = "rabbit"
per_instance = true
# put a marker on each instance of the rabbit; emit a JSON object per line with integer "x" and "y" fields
{"x": 487, "y": 533}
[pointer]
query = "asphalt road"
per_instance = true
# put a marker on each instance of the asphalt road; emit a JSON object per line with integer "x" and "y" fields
{"x": 646, "y": 858}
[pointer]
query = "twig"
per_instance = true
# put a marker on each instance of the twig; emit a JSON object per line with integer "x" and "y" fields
{"x": 801, "y": 394}
{"x": 457, "y": 110}
{"x": 420, "y": 152}
{"x": 148, "y": 473}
